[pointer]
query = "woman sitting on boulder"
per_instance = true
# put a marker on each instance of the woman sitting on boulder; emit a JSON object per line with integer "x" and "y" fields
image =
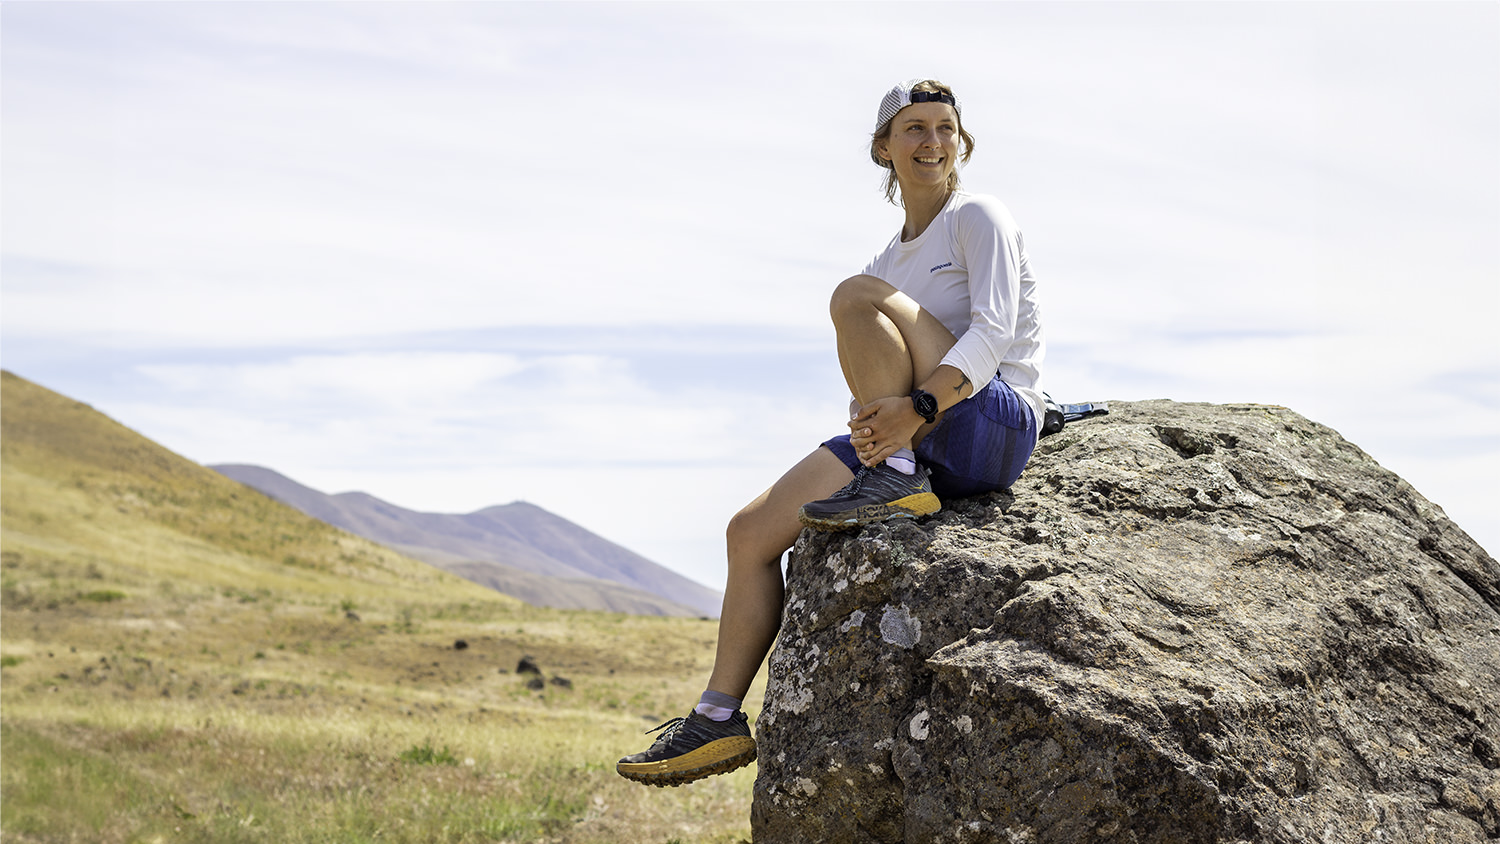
{"x": 941, "y": 344}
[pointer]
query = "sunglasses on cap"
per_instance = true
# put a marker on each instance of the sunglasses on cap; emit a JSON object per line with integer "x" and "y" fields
{"x": 932, "y": 97}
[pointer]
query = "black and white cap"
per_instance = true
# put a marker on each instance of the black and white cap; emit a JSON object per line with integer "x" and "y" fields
{"x": 902, "y": 96}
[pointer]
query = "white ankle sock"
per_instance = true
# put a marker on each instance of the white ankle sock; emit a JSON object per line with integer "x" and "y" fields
{"x": 716, "y": 706}
{"x": 713, "y": 713}
{"x": 903, "y": 461}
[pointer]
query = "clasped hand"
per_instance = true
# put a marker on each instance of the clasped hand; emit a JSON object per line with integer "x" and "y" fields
{"x": 882, "y": 427}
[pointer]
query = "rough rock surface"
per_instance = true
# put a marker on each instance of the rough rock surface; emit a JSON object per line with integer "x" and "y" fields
{"x": 1188, "y": 623}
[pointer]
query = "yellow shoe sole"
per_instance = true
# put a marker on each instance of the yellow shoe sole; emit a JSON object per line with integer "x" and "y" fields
{"x": 717, "y": 757}
{"x": 910, "y": 507}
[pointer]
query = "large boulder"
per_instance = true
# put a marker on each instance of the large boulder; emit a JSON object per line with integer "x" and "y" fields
{"x": 1187, "y": 623}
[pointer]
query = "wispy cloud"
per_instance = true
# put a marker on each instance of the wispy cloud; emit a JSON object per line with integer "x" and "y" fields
{"x": 455, "y": 254}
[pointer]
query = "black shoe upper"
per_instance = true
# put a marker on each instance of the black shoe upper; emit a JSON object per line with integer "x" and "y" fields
{"x": 684, "y": 735}
{"x": 871, "y": 486}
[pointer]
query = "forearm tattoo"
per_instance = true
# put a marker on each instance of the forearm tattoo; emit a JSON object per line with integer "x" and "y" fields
{"x": 962, "y": 384}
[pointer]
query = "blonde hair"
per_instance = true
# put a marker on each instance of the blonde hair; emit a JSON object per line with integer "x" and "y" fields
{"x": 883, "y": 134}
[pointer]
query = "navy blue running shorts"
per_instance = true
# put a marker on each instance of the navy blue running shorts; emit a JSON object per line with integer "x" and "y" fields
{"x": 980, "y": 445}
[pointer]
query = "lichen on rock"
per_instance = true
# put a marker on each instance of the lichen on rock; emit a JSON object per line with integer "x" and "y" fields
{"x": 1185, "y": 623}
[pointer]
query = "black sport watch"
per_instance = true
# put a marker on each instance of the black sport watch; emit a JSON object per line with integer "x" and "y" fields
{"x": 926, "y": 405}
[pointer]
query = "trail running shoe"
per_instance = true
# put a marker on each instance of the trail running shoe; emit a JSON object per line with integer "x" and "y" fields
{"x": 690, "y": 749}
{"x": 873, "y": 496}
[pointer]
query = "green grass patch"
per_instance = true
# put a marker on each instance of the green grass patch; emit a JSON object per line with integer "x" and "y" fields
{"x": 103, "y": 596}
{"x": 55, "y": 791}
{"x": 423, "y": 754}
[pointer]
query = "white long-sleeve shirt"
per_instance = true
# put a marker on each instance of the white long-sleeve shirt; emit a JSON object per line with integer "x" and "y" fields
{"x": 969, "y": 269}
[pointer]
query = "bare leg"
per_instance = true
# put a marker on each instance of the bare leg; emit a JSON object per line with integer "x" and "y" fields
{"x": 887, "y": 343}
{"x": 758, "y": 535}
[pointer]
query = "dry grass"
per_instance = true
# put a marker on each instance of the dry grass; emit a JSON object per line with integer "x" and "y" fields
{"x": 178, "y": 663}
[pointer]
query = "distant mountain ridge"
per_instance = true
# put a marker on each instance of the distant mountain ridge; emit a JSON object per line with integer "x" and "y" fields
{"x": 519, "y": 549}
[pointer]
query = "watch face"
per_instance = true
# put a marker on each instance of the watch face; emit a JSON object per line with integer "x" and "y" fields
{"x": 925, "y": 404}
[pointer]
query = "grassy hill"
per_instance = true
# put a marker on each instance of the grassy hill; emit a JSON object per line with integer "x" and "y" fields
{"x": 183, "y": 659}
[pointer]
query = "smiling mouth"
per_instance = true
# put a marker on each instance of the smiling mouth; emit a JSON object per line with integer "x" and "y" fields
{"x": 921, "y": 160}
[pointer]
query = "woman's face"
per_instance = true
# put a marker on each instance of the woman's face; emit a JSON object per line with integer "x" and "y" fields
{"x": 923, "y": 145}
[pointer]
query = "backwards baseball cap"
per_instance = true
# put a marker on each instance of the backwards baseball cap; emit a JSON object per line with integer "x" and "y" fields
{"x": 902, "y": 96}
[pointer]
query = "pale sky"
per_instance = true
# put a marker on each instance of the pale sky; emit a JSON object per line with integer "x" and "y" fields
{"x": 456, "y": 255}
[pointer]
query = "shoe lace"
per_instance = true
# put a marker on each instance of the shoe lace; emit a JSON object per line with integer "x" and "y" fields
{"x": 671, "y": 728}
{"x": 852, "y": 488}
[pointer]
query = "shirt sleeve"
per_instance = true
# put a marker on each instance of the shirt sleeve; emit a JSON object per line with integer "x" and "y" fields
{"x": 990, "y": 243}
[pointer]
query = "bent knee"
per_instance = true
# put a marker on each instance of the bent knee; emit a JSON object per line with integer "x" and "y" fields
{"x": 749, "y": 539}
{"x": 741, "y": 527}
{"x": 857, "y": 292}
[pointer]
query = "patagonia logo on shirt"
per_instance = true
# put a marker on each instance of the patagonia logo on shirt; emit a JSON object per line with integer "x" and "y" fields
{"x": 939, "y": 266}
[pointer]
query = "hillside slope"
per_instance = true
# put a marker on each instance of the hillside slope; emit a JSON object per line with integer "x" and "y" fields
{"x": 517, "y": 548}
{"x": 81, "y": 490}
{"x": 185, "y": 659}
